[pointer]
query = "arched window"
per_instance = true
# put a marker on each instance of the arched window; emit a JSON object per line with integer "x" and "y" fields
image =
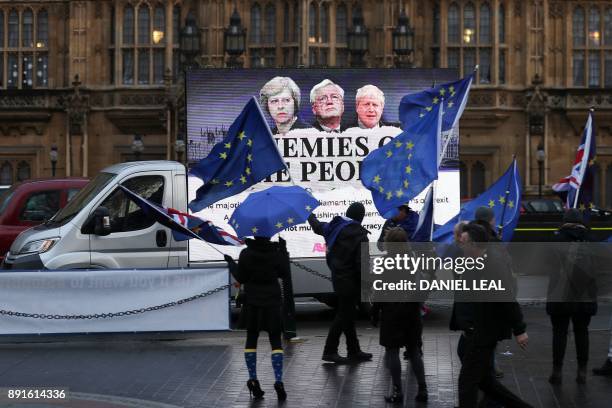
{"x": 13, "y": 29}
{"x": 469, "y": 24}
{"x": 144, "y": 30}
{"x": 6, "y": 174}
{"x": 128, "y": 25}
{"x": 286, "y": 22}
{"x": 270, "y": 24}
{"x": 578, "y": 65}
{"x": 159, "y": 26}
{"x": 23, "y": 171}
{"x": 453, "y": 24}
{"x": 42, "y": 29}
{"x": 478, "y": 178}
{"x": 484, "y": 33}
{"x": 176, "y": 24}
{"x": 607, "y": 38}
{"x": 594, "y": 68}
{"x": 27, "y": 31}
{"x": 501, "y": 24}
{"x": 255, "y": 32}
{"x": 312, "y": 23}
{"x": 324, "y": 34}
{"x": 341, "y": 24}
{"x": 463, "y": 180}
{"x": 594, "y": 27}
{"x": 296, "y": 21}
{"x": 436, "y": 24}
{"x": 578, "y": 27}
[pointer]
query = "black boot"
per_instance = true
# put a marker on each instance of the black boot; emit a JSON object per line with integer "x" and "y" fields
{"x": 556, "y": 377}
{"x": 335, "y": 358}
{"x": 359, "y": 356}
{"x": 422, "y": 395}
{"x": 280, "y": 390}
{"x": 605, "y": 369}
{"x": 581, "y": 374}
{"x": 255, "y": 389}
{"x": 396, "y": 397}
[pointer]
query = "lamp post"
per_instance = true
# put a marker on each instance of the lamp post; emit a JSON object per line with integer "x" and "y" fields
{"x": 540, "y": 156}
{"x": 357, "y": 40}
{"x": 234, "y": 40}
{"x": 53, "y": 157}
{"x": 190, "y": 42}
{"x": 137, "y": 147}
{"x": 179, "y": 148}
{"x": 403, "y": 41}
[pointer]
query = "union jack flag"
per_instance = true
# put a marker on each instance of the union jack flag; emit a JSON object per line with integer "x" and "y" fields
{"x": 577, "y": 187}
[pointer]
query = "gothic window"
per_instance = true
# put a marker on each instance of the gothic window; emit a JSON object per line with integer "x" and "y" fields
{"x": 478, "y": 178}
{"x": 286, "y": 22}
{"x": 128, "y": 25}
{"x": 312, "y": 23}
{"x": 341, "y": 24}
{"x": 270, "y": 25}
{"x": 23, "y": 171}
{"x": 255, "y": 32}
{"x": 592, "y": 46}
{"x": 6, "y": 174}
{"x": 24, "y": 48}
{"x": 291, "y": 22}
{"x": 262, "y": 46}
{"x": 324, "y": 21}
{"x": 469, "y": 40}
{"x": 318, "y": 34}
{"x": 463, "y": 180}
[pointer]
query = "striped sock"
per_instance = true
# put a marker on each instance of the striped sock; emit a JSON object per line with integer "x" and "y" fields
{"x": 250, "y": 357}
{"x": 277, "y": 364}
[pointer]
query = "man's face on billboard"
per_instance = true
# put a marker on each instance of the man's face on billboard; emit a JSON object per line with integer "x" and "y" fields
{"x": 282, "y": 107}
{"x": 369, "y": 111}
{"x": 328, "y": 103}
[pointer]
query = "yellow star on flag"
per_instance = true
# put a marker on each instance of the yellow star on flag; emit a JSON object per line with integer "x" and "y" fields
{"x": 399, "y": 193}
{"x": 254, "y": 230}
{"x": 229, "y": 183}
{"x": 250, "y": 142}
{"x": 398, "y": 144}
{"x": 451, "y": 88}
{"x": 491, "y": 203}
{"x": 502, "y": 199}
{"x": 510, "y": 203}
{"x": 428, "y": 108}
{"x": 289, "y": 220}
{"x": 223, "y": 155}
{"x": 381, "y": 189}
{"x": 279, "y": 225}
{"x": 406, "y": 183}
{"x": 421, "y": 115}
{"x": 442, "y": 91}
{"x": 308, "y": 208}
{"x": 247, "y": 171}
{"x": 241, "y": 135}
{"x": 410, "y": 156}
{"x": 582, "y": 207}
{"x": 408, "y": 169}
{"x": 228, "y": 145}
{"x": 435, "y": 100}
{"x": 591, "y": 206}
{"x": 249, "y": 157}
{"x": 243, "y": 179}
{"x": 214, "y": 181}
{"x": 389, "y": 153}
{"x": 389, "y": 195}
{"x": 377, "y": 179}
{"x": 409, "y": 145}
{"x": 450, "y": 104}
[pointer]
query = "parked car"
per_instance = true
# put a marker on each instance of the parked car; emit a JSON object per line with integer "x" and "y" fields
{"x": 3, "y": 188}
{"x": 32, "y": 202}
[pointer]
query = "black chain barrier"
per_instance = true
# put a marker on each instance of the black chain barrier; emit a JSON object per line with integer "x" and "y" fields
{"x": 116, "y": 314}
{"x": 311, "y": 271}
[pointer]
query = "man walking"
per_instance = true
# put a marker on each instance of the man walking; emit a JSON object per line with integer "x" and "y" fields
{"x": 344, "y": 237}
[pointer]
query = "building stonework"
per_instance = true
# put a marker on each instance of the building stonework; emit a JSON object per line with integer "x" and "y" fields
{"x": 87, "y": 76}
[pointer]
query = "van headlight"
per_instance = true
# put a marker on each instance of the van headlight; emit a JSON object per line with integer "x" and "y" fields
{"x": 38, "y": 247}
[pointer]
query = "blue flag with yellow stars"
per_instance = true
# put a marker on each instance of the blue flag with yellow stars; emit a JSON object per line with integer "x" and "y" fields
{"x": 247, "y": 155}
{"x": 399, "y": 170}
{"x": 503, "y": 197}
{"x": 454, "y": 95}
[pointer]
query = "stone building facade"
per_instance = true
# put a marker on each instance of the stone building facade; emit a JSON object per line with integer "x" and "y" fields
{"x": 90, "y": 77}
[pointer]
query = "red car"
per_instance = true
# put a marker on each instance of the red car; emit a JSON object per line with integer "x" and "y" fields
{"x": 32, "y": 202}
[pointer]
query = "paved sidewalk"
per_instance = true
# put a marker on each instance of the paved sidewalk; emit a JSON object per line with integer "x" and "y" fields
{"x": 207, "y": 370}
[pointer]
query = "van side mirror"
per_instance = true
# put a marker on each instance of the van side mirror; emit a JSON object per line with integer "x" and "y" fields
{"x": 101, "y": 220}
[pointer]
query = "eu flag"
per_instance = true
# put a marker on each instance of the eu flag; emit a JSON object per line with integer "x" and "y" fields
{"x": 424, "y": 228}
{"x": 399, "y": 170}
{"x": 503, "y": 197}
{"x": 247, "y": 155}
{"x": 454, "y": 95}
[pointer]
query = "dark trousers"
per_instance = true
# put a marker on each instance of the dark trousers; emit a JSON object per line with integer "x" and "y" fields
{"x": 560, "y": 323}
{"x": 288, "y": 309}
{"x": 477, "y": 372}
{"x": 344, "y": 322}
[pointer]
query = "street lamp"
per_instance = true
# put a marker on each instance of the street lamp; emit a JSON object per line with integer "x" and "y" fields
{"x": 190, "y": 41}
{"x": 137, "y": 147}
{"x": 53, "y": 157}
{"x": 540, "y": 156}
{"x": 357, "y": 40}
{"x": 234, "y": 40}
{"x": 403, "y": 39}
{"x": 179, "y": 148}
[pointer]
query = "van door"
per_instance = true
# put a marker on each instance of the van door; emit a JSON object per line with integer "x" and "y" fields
{"x": 135, "y": 241}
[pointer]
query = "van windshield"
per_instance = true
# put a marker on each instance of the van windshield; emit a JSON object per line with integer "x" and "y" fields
{"x": 83, "y": 197}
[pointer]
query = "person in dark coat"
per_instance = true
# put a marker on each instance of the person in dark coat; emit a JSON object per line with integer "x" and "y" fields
{"x": 261, "y": 264}
{"x": 405, "y": 218}
{"x": 572, "y": 295}
{"x": 401, "y": 325}
{"x": 490, "y": 323}
{"x": 485, "y": 217}
{"x": 344, "y": 237}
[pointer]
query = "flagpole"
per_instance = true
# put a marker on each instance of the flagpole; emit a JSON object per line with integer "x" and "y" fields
{"x": 433, "y": 208}
{"x": 506, "y": 195}
{"x": 586, "y": 153}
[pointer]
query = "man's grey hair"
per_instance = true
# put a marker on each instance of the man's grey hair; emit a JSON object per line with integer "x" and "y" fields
{"x": 277, "y": 85}
{"x": 323, "y": 84}
{"x": 371, "y": 91}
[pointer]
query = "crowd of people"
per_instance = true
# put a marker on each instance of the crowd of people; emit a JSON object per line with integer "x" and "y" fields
{"x": 482, "y": 325}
